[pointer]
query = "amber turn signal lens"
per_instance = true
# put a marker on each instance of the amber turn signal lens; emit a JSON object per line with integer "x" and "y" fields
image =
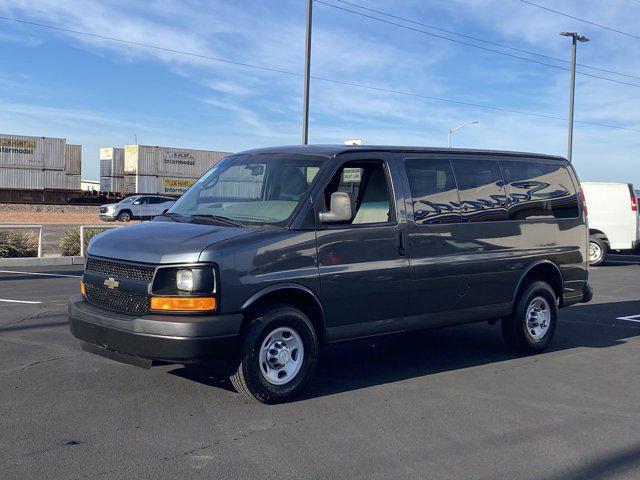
{"x": 183, "y": 304}
{"x": 82, "y": 289}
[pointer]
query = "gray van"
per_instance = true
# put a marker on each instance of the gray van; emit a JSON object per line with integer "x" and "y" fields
{"x": 276, "y": 252}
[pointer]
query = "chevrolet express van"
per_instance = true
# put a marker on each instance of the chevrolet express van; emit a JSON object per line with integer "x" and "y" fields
{"x": 276, "y": 252}
{"x": 613, "y": 218}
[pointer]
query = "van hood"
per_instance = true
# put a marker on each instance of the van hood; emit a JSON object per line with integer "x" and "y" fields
{"x": 161, "y": 242}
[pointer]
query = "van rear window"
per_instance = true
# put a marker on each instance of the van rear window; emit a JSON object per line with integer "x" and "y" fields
{"x": 539, "y": 190}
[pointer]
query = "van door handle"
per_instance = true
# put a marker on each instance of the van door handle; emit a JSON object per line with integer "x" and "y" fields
{"x": 402, "y": 250}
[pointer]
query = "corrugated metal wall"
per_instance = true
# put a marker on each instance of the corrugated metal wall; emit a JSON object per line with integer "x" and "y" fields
{"x": 111, "y": 162}
{"x": 73, "y": 159}
{"x": 168, "y": 161}
{"x": 34, "y": 163}
{"x": 21, "y": 178}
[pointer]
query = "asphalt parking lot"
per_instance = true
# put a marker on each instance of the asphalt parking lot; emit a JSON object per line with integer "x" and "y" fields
{"x": 446, "y": 404}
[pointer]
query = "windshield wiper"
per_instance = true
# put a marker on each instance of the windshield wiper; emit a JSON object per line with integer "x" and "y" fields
{"x": 220, "y": 219}
{"x": 175, "y": 216}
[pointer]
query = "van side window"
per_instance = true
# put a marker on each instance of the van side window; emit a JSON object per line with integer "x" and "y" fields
{"x": 433, "y": 191}
{"x": 481, "y": 190}
{"x": 539, "y": 190}
{"x": 367, "y": 185}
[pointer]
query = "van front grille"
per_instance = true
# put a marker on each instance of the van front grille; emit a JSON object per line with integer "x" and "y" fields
{"x": 120, "y": 269}
{"x": 117, "y": 300}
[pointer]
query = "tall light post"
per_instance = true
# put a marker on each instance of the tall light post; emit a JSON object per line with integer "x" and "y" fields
{"x": 307, "y": 77}
{"x": 470, "y": 122}
{"x": 576, "y": 38}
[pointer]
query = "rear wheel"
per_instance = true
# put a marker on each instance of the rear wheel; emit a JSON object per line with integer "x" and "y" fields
{"x": 531, "y": 326}
{"x": 598, "y": 249}
{"x": 280, "y": 356}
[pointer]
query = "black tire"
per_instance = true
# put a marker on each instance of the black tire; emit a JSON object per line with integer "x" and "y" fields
{"x": 517, "y": 330}
{"x": 124, "y": 216}
{"x": 250, "y": 380}
{"x": 600, "y": 246}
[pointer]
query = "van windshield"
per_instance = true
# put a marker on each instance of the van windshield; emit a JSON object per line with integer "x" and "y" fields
{"x": 251, "y": 188}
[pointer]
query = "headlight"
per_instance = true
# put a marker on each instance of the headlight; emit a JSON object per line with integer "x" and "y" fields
{"x": 184, "y": 280}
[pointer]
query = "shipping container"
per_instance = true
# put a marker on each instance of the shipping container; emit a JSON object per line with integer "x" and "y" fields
{"x": 20, "y": 151}
{"x": 167, "y": 161}
{"x": 72, "y": 182}
{"x": 151, "y": 184}
{"x": 73, "y": 159}
{"x": 174, "y": 186}
{"x": 111, "y": 184}
{"x": 55, "y": 179}
{"x": 21, "y": 178}
{"x": 54, "y": 151}
{"x": 111, "y": 162}
{"x": 140, "y": 184}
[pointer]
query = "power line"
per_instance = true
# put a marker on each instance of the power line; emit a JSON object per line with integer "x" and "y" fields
{"x": 495, "y": 44}
{"x": 406, "y": 27}
{"x": 582, "y": 20}
{"x": 322, "y": 79}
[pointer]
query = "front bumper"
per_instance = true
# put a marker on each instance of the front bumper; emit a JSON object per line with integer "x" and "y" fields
{"x": 165, "y": 338}
{"x": 107, "y": 217}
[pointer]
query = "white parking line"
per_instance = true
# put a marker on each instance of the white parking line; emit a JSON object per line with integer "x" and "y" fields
{"x": 19, "y": 301}
{"x": 630, "y": 318}
{"x": 39, "y": 274}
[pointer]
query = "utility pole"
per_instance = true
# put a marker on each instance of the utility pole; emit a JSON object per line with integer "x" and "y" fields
{"x": 307, "y": 76}
{"x": 576, "y": 38}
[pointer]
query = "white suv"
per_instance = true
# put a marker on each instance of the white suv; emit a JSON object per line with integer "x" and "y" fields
{"x": 139, "y": 206}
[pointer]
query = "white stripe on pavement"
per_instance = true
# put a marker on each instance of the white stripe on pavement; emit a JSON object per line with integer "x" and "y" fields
{"x": 19, "y": 301}
{"x": 38, "y": 274}
{"x": 630, "y": 318}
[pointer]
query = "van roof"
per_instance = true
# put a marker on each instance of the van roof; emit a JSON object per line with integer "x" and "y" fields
{"x": 333, "y": 150}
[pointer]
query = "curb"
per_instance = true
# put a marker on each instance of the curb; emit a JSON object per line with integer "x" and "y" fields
{"x": 41, "y": 262}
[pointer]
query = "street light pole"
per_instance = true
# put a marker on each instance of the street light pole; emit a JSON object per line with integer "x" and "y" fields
{"x": 307, "y": 77}
{"x": 575, "y": 39}
{"x": 470, "y": 122}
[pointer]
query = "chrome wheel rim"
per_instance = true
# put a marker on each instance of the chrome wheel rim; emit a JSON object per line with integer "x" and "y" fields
{"x": 281, "y": 355}
{"x": 125, "y": 217}
{"x": 538, "y": 318}
{"x": 595, "y": 252}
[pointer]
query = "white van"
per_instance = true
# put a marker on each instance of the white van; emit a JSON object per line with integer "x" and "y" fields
{"x": 613, "y": 218}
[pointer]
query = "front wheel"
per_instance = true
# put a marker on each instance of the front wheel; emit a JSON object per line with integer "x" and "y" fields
{"x": 531, "y": 326}
{"x": 124, "y": 216}
{"x": 280, "y": 356}
{"x": 597, "y": 250}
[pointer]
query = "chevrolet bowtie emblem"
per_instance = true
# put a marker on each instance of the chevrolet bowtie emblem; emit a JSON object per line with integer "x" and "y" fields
{"x": 111, "y": 283}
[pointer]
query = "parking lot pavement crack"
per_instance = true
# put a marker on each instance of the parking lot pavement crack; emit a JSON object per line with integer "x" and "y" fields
{"x": 31, "y": 317}
{"x": 33, "y": 364}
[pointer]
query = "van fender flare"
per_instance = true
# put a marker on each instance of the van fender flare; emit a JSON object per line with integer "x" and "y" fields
{"x": 269, "y": 290}
{"x": 281, "y": 286}
{"x": 531, "y": 267}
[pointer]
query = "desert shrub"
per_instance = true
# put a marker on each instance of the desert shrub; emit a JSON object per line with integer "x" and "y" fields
{"x": 18, "y": 244}
{"x": 69, "y": 243}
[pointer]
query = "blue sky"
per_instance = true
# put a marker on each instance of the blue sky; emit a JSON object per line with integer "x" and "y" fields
{"x": 101, "y": 93}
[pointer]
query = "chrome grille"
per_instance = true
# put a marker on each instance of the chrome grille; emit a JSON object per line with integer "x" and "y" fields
{"x": 119, "y": 269}
{"x": 117, "y": 300}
